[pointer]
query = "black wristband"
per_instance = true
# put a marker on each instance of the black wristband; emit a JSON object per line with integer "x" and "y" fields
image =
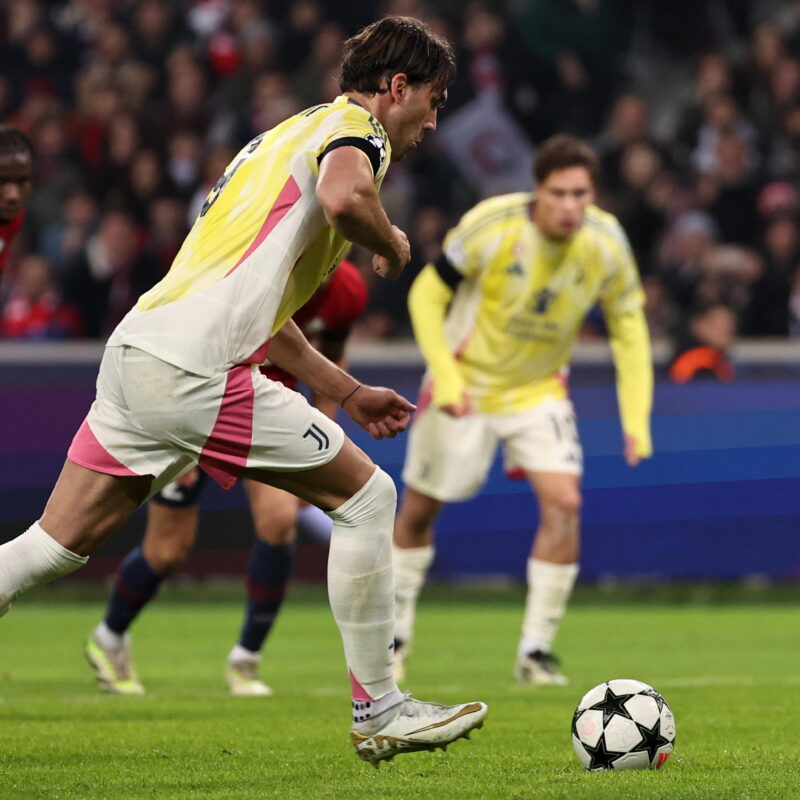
{"x": 350, "y": 395}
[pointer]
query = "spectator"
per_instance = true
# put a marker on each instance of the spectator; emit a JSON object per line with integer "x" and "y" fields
{"x": 34, "y": 309}
{"x": 109, "y": 275}
{"x": 702, "y": 350}
{"x": 62, "y": 240}
{"x": 769, "y": 312}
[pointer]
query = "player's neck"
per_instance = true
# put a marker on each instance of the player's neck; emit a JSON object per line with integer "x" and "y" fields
{"x": 374, "y": 103}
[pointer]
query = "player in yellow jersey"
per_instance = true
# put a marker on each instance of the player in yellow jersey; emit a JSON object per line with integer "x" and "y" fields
{"x": 179, "y": 383}
{"x": 496, "y": 318}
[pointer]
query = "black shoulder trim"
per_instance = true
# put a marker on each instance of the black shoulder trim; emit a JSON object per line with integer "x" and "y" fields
{"x": 364, "y": 145}
{"x": 447, "y": 272}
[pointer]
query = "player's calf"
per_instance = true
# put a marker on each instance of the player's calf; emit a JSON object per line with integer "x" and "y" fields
{"x": 33, "y": 558}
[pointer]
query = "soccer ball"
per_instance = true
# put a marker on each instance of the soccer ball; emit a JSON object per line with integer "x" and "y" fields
{"x": 623, "y": 724}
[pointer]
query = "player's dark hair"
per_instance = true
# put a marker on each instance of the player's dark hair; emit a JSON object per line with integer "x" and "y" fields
{"x": 562, "y": 152}
{"x": 13, "y": 141}
{"x": 392, "y": 45}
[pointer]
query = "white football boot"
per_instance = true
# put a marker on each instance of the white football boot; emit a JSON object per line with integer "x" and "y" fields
{"x": 412, "y": 725}
{"x": 113, "y": 666}
{"x": 401, "y": 651}
{"x": 241, "y": 675}
{"x": 540, "y": 669}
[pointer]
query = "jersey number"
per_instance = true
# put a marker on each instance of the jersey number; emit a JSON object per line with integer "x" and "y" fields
{"x": 226, "y": 176}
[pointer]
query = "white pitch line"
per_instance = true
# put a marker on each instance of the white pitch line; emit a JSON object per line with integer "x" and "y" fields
{"x": 725, "y": 680}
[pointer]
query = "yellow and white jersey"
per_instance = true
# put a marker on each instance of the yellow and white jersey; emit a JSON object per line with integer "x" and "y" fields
{"x": 514, "y": 318}
{"x": 259, "y": 248}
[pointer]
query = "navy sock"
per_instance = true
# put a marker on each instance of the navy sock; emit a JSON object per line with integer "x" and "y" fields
{"x": 268, "y": 573}
{"x": 136, "y": 584}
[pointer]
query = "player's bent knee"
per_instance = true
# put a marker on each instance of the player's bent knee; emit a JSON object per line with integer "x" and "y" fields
{"x": 376, "y": 498}
{"x": 566, "y": 502}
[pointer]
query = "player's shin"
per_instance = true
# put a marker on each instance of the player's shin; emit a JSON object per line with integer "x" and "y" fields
{"x": 549, "y": 588}
{"x": 361, "y": 589}
{"x": 33, "y": 558}
{"x": 410, "y": 569}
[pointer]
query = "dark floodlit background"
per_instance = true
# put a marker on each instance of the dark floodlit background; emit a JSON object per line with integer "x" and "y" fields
{"x": 134, "y": 109}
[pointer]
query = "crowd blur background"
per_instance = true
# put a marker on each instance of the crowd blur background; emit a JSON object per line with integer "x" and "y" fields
{"x": 135, "y": 108}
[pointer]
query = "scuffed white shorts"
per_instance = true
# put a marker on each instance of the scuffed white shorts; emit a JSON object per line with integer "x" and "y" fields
{"x": 153, "y": 418}
{"x": 448, "y": 458}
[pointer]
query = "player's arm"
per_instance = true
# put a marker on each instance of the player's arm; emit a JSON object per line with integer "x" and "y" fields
{"x": 630, "y": 346}
{"x": 428, "y": 299}
{"x": 623, "y": 303}
{"x": 380, "y": 411}
{"x": 332, "y": 345}
{"x": 346, "y": 191}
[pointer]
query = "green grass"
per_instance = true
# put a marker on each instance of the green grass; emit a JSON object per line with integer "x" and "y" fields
{"x": 729, "y": 671}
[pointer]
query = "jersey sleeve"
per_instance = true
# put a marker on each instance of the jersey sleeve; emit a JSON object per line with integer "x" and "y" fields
{"x": 356, "y": 127}
{"x": 463, "y": 249}
{"x": 622, "y": 291}
{"x": 623, "y": 303}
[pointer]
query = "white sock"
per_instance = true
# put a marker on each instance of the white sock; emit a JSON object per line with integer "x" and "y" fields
{"x": 549, "y": 588}
{"x": 239, "y": 653}
{"x": 367, "y": 713}
{"x": 33, "y": 558}
{"x": 410, "y": 568}
{"x": 360, "y": 586}
{"x": 106, "y": 638}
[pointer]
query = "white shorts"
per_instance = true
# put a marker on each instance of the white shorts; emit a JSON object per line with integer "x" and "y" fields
{"x": 448, "y": 458}
{"x": 153, "y": 418}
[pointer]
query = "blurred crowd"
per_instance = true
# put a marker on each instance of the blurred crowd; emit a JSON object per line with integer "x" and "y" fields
{"x": 135, "y": 108}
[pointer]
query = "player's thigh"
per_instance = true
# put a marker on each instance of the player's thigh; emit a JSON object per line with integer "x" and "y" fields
{"x": 274, "y": 512}
{"x": 448, "y": 458}
{"x": 326, "y": 486}
{"x": 296, "y": 448}
{"x": 543, "y": 439}
{"x": 86, "y": 506}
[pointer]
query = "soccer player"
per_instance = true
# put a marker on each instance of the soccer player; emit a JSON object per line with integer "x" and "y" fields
{"x": 326, "y": 320}
{"x": 16, "y": 171}
{"x": 496, "y": 318}
{"x": 179, "y": 382}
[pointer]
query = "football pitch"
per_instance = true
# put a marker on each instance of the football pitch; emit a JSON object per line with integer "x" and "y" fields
{"x": 729, "y": 672}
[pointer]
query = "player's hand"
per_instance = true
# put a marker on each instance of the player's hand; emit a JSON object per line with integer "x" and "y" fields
{"x": 459, "y": 409}
{"x": 392, "y": 267}
{"x": 381, "y": 412}
{"x": 632, "y": 457}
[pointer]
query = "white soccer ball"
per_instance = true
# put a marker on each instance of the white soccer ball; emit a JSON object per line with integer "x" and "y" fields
{"x": 623, "y": 724}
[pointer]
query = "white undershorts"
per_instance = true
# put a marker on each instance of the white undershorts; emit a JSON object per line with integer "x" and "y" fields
{"x": 153, "y": 418}
{"x": 448, "y": 458}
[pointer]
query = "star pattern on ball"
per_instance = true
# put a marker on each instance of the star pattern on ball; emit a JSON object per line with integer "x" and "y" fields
{"x": 656, "y": 696}
{"x": 651, "y": 740}
{"x": 600, "y": 757}
{"x": 612, "y": 704}
{"x": 575, "y": 718}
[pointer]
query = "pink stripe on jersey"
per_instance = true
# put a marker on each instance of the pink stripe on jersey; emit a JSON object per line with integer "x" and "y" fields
{"x": 358, "y": 691}
{"x": 260, "y": 355}
{"x": 225, "y": 452}
{"x": 288, "y": 196}
{"x": 86, "y": 451}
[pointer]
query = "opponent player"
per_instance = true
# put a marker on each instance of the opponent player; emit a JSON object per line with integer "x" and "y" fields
{"x": 16, "y": 171}
{"x": 179, "y": 382}
{"x": 519, "y": 273}
{"x": 172, "y": 519}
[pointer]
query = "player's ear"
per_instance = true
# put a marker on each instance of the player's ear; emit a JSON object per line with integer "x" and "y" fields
{"x": 398, "y": 85}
